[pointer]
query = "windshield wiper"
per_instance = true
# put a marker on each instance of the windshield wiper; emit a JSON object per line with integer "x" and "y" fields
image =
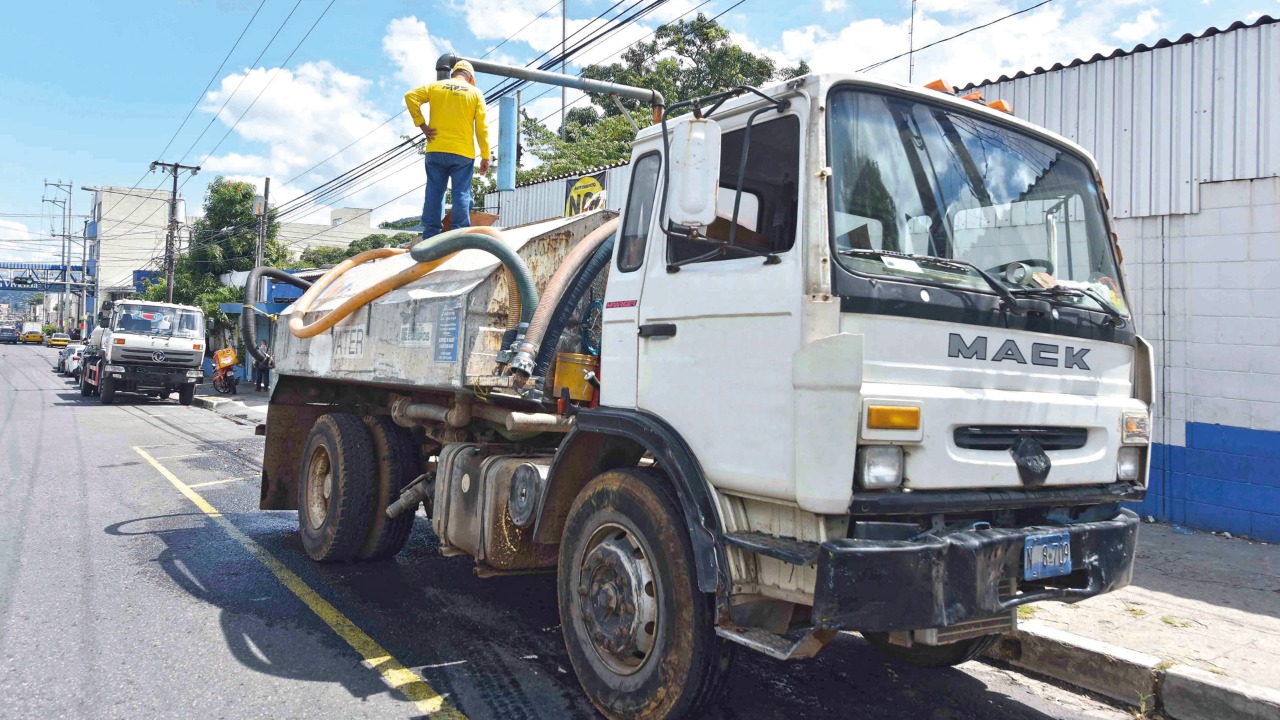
{"x": 1007, "y": 299}
{"x": 1060, "y": 291}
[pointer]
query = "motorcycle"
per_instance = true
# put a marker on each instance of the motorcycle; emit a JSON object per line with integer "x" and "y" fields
{"x": 224, "y": 373}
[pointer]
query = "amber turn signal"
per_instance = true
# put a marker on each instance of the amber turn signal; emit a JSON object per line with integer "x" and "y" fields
{"x": 893, "y": 417}
{"x": 119, "y": 341}
{"x": 941, "y": 86}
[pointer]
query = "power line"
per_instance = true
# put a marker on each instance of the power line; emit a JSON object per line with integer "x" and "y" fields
{"x": 873, "y": 66}
{"x": 541, "y": 15}
{"x": 212, "y": 78}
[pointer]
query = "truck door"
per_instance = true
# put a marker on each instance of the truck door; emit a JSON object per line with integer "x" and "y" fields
{"x": 716, "y": 337}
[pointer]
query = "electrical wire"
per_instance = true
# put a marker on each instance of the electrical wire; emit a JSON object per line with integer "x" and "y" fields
{"x": 873, "y": 66}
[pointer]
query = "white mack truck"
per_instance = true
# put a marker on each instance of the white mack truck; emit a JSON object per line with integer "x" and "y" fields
{"x": 855, "y": 356}
{"x": 146, "y": 347}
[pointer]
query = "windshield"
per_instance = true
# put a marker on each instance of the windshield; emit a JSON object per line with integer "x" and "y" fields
{"x": 158, "y": 320}
{"x": 913, "y": 180}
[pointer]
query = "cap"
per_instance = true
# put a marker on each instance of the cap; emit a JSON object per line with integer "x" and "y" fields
{"x": 464, "y": 66}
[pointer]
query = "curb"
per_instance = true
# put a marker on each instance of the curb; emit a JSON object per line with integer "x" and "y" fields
{"x": 1181, "y": 692}
{"x": 231, "y": 409}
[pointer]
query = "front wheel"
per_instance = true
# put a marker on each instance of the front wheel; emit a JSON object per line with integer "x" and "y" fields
{"x": 85, "y": 389}
{"x": 933, "y": 656}
{"x": 640, "y": 635}
{"x": 106, "y": 388}
{"x": 186, "y": 394}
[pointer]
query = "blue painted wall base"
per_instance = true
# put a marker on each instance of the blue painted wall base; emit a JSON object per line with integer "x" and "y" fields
{"x": 1225, "y": 479}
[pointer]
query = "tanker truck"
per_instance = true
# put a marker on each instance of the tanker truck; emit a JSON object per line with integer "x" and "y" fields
{"x": 855, "y": 356}
{"x": 145, "y": 347}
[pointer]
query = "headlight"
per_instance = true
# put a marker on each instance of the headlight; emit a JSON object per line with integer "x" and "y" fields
{"x": 879, "y": 467}
{"x": 115, "y": 368}
{"x": 1128, "y": 463}
{"x": 194, "y": 374}
{"x": 1135, "y": 428}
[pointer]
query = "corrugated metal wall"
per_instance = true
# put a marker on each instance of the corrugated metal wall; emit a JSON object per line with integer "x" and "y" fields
{"x": 1162, "y": 121}
{"x": 544, "y": 200}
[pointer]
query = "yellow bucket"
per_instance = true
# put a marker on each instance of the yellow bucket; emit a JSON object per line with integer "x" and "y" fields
{"x": 571, "y": 372}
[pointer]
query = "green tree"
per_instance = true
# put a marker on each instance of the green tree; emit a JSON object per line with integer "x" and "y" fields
{"x": 322, "y": 256}
{"x": 684, "y": 60}
{"x": 36, "y": 300}
{"x": 226, "y": 238}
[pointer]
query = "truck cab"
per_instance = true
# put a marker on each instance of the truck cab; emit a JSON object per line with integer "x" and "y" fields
{"x": 146, "y": 347}
{"x": 865, "y": 363}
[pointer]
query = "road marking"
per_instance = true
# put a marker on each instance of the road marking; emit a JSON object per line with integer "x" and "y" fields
{"x": 392, "y": 671}
{"x": 220, "y": 482}
{"x": 176, "y": 457}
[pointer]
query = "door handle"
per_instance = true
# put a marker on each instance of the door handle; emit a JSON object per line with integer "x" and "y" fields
{"x": 658, "y": 330}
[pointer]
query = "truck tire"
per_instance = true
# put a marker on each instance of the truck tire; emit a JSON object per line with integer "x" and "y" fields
{"x": 933, "y": 656}
{"x": 85, "y": 389}
{"x": 398, "y": 463}
{"x": 186, "y": 394}
{"x": 106, "y": 388}
{"x": 335, "y": 488}
{"x": 640, "y": 635}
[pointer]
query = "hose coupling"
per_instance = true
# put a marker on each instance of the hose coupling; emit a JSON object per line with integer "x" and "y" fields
{"x": 525, "y": 359}
{"x": 510, "y": 339}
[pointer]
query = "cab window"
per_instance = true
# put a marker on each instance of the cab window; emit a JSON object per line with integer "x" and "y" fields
{"x": 769, "y": 204}
{"x": 641, "y": 198}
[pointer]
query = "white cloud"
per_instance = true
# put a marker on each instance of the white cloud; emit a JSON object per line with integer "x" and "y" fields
{"x": 1033, "y": 39}
{"x": 413, "y": 50}
{"x": 18, "y": 243}
{"x": 1140, "y": 28}
{"x": 834, "y": 5}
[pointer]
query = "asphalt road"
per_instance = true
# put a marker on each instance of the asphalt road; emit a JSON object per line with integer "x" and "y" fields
{"x": 121, "y": 597}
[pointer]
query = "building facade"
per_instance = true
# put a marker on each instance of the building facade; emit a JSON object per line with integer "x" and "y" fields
{"x": 127, "y": 233}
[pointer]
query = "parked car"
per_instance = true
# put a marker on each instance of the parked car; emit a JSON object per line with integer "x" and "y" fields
{"x": 75, "y": 361}
{"x": 57, "y": 340}
{"x": 9, "y": 335}
{"x": 64, "y": 356}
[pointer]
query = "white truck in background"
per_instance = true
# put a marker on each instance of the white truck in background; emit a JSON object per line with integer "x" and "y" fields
{"x": 864, "y": 361}
{"x": 145, "y": 347}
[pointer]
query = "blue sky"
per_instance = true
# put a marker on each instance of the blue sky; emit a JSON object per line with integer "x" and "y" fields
{"x": 93, "y": 91}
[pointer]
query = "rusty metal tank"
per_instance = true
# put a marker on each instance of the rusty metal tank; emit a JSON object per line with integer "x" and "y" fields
{"x": 441, "y": 332}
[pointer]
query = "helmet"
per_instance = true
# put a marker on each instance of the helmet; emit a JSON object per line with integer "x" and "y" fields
{"x": 464, "y": 66}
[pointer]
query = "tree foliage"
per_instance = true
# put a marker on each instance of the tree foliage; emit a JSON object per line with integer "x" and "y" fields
{"x": 226, "y": 238}
{"x": 684, "y": 60}
{"x": 329, "y": 256}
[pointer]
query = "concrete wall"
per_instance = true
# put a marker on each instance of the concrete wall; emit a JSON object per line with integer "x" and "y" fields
{"x": 1207, "y": 293}
{"x": 345, "y": 225}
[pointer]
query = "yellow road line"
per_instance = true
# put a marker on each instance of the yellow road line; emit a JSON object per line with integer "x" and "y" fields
{"x": 392, "y": 671}
{"x": 220, "y": 482}
{"x": 175, "y": 457}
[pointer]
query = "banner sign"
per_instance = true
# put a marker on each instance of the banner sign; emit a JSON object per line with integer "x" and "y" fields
{"x": 579, "y": 192}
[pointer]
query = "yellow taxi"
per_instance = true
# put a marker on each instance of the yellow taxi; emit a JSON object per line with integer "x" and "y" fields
{"x": 33, "y": 336}
{"x": 58, "y": 340}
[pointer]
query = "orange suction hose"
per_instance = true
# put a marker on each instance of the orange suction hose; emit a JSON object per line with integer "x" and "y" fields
{"x": 314, "y": 293}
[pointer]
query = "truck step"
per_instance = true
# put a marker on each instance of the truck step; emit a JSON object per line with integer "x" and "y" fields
{"x": 794, "y": 645}
{"x": 788, "y": 550}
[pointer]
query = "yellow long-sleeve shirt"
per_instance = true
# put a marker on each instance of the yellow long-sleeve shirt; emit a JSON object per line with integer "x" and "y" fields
{"x": 457, "y": 116}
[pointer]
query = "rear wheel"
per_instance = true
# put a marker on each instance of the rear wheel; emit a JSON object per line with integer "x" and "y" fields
{"x": 640, "y": 635}
{"x": 335, "y": 490}
{"x": 933, "y": 655}
{"x": 106, "y": 388}
{"x": 396, "y": 456}
{"x": 186, "y": 394}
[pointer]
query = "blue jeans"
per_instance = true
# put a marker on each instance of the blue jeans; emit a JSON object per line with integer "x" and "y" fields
{"x": 441, "y": 169}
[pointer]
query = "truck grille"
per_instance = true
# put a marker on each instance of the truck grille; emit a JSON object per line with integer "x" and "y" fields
{"x": 1002, "y": 437}
{"x": 171, "y": 358}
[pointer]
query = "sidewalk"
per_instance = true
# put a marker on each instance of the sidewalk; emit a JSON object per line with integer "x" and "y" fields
{"x": 1198, "y": 629}
{"x": 246, "y": 406}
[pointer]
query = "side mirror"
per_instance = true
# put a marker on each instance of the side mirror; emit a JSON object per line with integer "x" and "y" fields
{"x": 695, "y": 172}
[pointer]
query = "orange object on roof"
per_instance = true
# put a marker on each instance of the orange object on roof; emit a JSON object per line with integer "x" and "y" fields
{"x": 941, "y": 86}
{"x": 974, "y": 96}
{"x": 1001, "y": 105}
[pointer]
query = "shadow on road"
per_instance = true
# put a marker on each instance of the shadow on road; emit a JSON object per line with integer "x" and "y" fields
{"x": 494, "y": 647}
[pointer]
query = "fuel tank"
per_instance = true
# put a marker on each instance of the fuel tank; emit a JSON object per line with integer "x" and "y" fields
{"x": 442, "y": 331}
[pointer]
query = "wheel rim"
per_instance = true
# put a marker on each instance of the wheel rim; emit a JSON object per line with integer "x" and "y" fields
{"x": 618, "y": 595}
{"x": 319, "y": 487}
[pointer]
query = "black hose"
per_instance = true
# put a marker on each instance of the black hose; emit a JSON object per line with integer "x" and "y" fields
{"x": 569, "y": 303}
{"x": 248, "y": 327}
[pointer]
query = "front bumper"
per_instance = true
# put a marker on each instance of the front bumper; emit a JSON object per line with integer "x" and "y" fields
{"x": 152, "y": 376}
{"x": 889, "y": 585}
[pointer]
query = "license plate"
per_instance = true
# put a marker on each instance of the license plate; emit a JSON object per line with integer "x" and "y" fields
{"x": 1046, "y": 556}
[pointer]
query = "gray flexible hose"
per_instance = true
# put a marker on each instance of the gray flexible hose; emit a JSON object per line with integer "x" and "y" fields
{"x": 249, "y": 328}
{"x": 457, "y": 240}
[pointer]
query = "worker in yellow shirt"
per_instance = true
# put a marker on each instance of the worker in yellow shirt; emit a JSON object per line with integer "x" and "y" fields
{"x": 457, "y": 122}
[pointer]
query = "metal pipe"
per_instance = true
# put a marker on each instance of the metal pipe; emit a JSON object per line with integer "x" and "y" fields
{"x": 446, "y": 62}
{"x": 406, "y": 412}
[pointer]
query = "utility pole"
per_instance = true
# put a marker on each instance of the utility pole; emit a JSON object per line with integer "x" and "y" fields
{"x": 65, "y": 236}
{"x": 911, "y": 44}
{"x": 171, "y": 236}
{"x": 264, "y": 224}
{"x": 564, "y": 91}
